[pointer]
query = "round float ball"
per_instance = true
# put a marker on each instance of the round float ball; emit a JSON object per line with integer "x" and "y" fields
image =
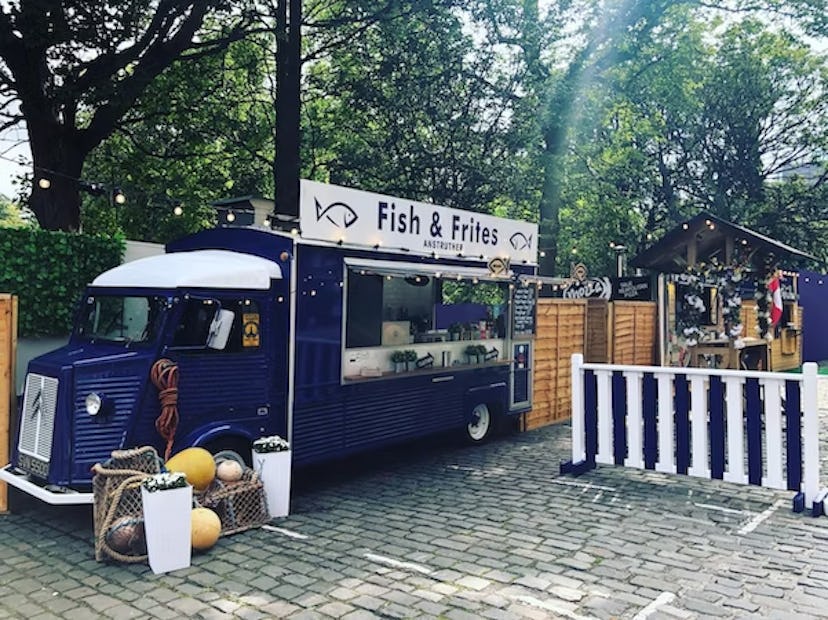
{"x": 206, "y": 528}
{"x": 126, "y": 535}
{"x": 229, "y": 471}
{"x": 196, "y": 464}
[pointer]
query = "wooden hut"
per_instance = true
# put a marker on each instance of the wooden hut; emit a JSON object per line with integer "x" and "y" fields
{"x": 708, "y": 268}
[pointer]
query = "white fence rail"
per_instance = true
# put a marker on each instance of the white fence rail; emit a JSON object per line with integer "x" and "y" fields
{"x": 748, "y": 427}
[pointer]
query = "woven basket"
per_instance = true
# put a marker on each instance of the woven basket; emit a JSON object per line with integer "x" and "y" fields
{"x": 117, "y": 509}
{"x": 240, "y": 505}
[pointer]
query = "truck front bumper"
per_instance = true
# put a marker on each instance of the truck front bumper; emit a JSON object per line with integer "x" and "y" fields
{"x": 51, "y": 495}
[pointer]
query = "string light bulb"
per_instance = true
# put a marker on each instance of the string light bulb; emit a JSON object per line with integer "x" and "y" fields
{"x": 178, "y": 210}
{"x": 44, "y": 183}
{"x": 118, "y": 197}
{"x": 231, "y": 217}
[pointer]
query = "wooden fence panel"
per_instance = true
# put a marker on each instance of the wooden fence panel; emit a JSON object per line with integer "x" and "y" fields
{"x": 561, "y": 331}
{"x": 621, "y": 332}
{"x": 632, "y": 328}
{"x": 597, "y": 341}
{"x": 8, "y": 348}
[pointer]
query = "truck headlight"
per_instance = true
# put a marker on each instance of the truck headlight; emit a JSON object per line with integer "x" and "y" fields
{"x": 94, "y": 404}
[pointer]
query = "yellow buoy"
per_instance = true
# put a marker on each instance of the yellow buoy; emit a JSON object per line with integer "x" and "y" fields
{"x": 196, "y": 464}
{"x": 206, "y": 528}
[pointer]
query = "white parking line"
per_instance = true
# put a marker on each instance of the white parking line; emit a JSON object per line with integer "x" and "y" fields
{"x": 560, "y": 609}
{"x": 662, "y": 599}
{"x": 281, "y": 530}
{"x": 722, "y": 509}
{"x": 584, "y": 485}
{"x": 751, "y": 525}
{"x": 381, "y": 559}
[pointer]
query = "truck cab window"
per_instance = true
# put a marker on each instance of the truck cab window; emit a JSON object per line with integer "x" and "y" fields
{"x": 118, "y": 318}
{"x": 193, "y": 328}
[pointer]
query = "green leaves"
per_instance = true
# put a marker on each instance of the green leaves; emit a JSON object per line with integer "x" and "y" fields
{"x": 48, "y": 272}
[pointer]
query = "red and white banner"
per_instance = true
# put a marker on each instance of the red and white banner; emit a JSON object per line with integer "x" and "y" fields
{"x": 776, "y": 305}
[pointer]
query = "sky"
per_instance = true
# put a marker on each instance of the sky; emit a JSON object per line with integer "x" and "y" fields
{"x": 12, "y": 145}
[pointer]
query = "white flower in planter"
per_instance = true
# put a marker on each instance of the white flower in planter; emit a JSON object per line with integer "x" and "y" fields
{"x": 162, "y": 482}
{"x": 274, "y": 443}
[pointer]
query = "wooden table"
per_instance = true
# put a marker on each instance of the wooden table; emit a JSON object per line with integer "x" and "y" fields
{"x": 721, "y": 354}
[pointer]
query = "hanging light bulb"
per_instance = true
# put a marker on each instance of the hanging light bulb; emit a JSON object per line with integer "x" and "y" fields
{"x": 118, "y": 197}
{"x": 178, "y": 210}
{"x": 44, "y": 183}
{"x": 231, "y": 217}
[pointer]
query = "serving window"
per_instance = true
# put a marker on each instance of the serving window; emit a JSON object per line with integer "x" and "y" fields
{"x": 395, "y": 309}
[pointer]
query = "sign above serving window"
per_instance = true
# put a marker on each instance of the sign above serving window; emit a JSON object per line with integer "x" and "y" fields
{"x": 334, "y": 213}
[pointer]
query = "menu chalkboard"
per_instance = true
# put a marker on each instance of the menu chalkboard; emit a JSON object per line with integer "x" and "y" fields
{"x": 523, "y": 311}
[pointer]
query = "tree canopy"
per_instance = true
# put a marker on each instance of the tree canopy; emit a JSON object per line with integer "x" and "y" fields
{"x": 71, "y": 71}
{"x": 606, "y": 122}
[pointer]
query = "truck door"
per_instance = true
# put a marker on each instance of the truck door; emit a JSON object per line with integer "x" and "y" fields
{"x": 225, "y": 388}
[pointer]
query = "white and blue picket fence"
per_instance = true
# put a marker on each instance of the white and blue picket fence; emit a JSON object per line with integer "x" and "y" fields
{"x": 749, "y": 427}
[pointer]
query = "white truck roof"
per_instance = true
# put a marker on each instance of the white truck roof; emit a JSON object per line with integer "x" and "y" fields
{"x": 196, "y": 269}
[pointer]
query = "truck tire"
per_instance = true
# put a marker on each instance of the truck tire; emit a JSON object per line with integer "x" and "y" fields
{"x": 230, "y": 446}
{"x": 481, "y": 425}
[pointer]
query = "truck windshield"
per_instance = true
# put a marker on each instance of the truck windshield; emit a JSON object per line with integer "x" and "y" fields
{"x": 119, "y": 318}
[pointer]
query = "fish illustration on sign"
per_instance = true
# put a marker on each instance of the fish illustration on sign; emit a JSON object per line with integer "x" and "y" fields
{"x": 337, "y": 213}
{"x": 520, "y": 241}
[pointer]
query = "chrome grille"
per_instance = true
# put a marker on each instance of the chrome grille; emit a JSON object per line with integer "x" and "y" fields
{"x": 38, "y": 421}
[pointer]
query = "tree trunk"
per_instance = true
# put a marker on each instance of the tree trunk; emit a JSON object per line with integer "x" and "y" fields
{"x": 286, "y": 163}
{"x": 60, "y": 162}
{"x": 550, "y": 226}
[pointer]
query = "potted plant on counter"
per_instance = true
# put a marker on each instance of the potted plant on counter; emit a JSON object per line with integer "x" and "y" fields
{"x": 410, "y": 359}
{"x": 398, "y": 359}
{"x": 472, "y": 353}
{"x": 455, "y": 331}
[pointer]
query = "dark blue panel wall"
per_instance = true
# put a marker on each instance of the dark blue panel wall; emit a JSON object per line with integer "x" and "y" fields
{"x": 813, "y": 297}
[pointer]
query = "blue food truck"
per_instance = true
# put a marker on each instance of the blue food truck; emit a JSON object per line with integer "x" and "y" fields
{"x": 368, "y": 321}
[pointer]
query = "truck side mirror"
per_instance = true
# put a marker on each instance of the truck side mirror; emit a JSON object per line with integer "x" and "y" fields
{"x": 220, "y": 329}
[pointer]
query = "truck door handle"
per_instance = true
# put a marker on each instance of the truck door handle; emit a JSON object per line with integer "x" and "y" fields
{"x": 442, "y": 379}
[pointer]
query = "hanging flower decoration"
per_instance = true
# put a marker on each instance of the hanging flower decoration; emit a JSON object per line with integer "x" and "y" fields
{"x": 729, "y": 279}
{"x": 690, "y": 311}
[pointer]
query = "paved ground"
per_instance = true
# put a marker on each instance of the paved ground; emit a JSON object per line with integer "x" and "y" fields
{"x": 445, "y": 531}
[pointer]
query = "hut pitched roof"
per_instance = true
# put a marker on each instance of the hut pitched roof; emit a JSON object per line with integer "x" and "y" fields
{"x": 711, "y": 236}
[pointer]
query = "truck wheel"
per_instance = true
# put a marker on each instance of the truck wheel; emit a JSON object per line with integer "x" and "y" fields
{"x": 481, "y": 425}
{"x": 231, "y": 448}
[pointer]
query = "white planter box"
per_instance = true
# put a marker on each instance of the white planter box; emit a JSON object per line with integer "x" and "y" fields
{"x": 274, "y": 470}
{"x": 167, "y": 525}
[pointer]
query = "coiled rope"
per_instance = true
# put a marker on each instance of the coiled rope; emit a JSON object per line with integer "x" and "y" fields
{"x": 164, "y": 375}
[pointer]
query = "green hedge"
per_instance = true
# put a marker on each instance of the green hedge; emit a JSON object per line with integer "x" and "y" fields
{"x": 47, "y": 271}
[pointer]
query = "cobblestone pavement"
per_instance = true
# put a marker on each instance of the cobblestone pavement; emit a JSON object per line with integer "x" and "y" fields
{"x": 447, "y": 531}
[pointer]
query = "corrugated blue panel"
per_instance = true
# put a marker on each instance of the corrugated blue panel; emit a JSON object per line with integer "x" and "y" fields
{"x": 318, "y": 432}
{"x": 231, "y": 384}
{"x": 717, "y": 426}
{"x": 619, "y": 417}
{"x": 793, "y": 435}
{"x": 97, "y": 437}
{"x": 591, "y": 416}
{"x": 649, "y": 395}
{"x": 682, "y": 405}
{"x": 396, "y": 410}
{"x": 754, "y": 431}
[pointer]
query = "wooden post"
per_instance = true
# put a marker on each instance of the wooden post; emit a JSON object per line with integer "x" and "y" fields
{"x": 8, "y": 393}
